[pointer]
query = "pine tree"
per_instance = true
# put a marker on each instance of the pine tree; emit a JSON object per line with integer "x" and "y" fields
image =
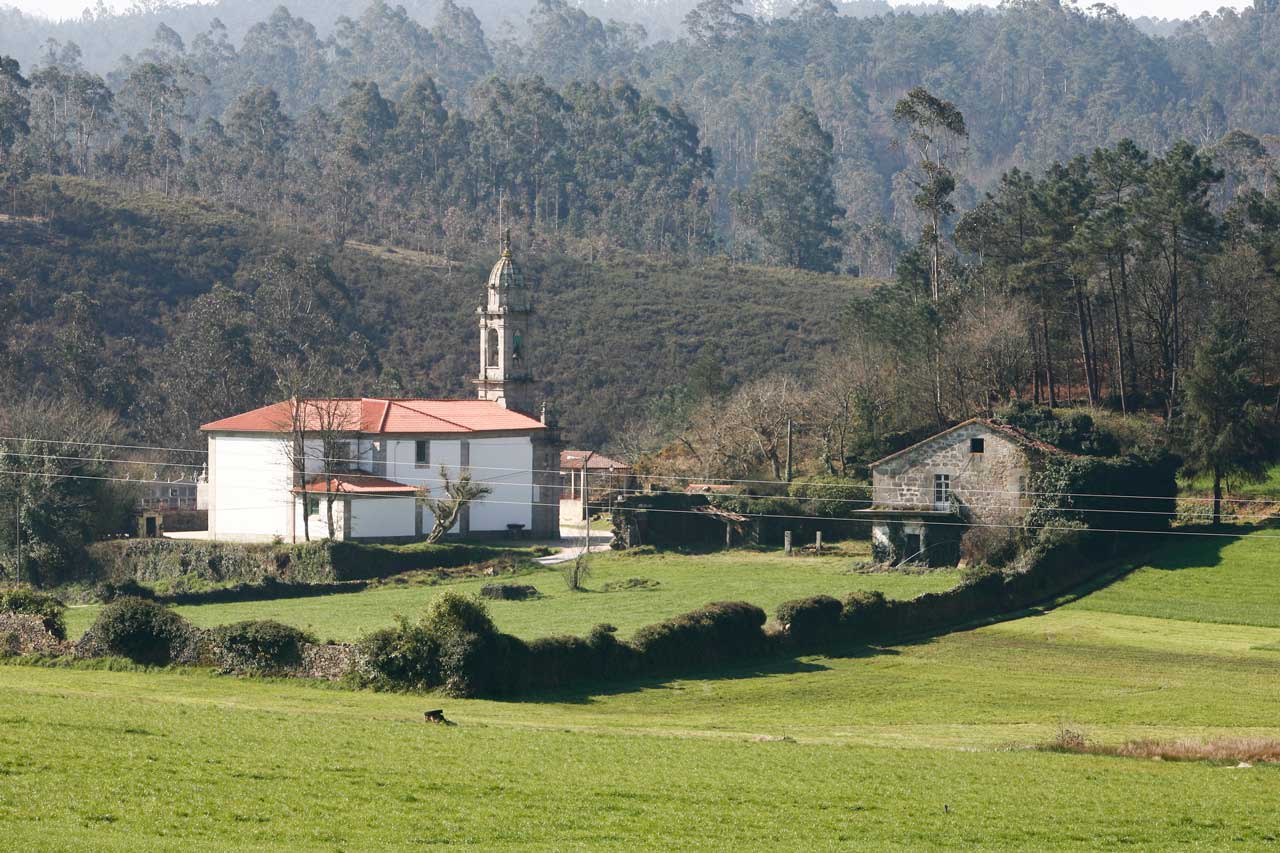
{"x": 1225, "y": 427}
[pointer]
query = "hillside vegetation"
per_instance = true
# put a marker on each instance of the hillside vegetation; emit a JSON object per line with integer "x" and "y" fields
{"x": 610, "y": 333}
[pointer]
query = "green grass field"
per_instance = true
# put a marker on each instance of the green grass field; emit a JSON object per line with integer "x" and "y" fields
{"x": 917, "y": 746}
{"x": 1268, "y": 487}
{"x": 685, "y": 583}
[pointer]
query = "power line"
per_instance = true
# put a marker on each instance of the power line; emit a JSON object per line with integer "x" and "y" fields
{"x": 699, "y": 480}
{"x": 785, "y": 517}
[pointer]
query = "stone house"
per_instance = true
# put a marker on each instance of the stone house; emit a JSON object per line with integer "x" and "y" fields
{"x": 925, "y": 496}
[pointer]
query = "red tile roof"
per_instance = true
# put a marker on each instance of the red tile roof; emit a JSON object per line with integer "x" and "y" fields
{"x": 356, "y": 483}
{"x": 380, "y": 415}
{"x": 599, "y": 462}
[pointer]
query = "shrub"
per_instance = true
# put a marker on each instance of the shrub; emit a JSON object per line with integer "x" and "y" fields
{"x": 717, "y": 632}
{"x": 262, "y": 646}
{"x": 109, "y": 591}
{"x": 405, "y": 657}
{"x": 865, "y": 613}
{"x": 468, "y": 664}
{"x": 810, "y": 620}
{"x": 22, "y": 599}
{"x": 508, "y": 591}
{"x": 144, "y": 632}
{"x": 453, "y": 612}
{"x": 990, "y": 546}
{"x": 831, "y": 496}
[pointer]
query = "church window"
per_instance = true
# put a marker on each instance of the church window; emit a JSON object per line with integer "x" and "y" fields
{"x": 491, "y": 348}
{"x": 515, "y": 346}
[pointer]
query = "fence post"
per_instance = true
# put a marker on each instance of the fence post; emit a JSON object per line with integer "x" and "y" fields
{"x": 786, "y": 542}
{"x": 817, "y": 543}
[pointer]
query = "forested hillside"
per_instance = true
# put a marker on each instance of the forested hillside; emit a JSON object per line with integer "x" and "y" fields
{"x": 237, "y": 107}
{"x": 170, "y": 311}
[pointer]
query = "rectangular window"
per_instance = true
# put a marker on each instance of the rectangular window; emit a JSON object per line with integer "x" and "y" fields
{"x": 941, "y": 488}
{"x": 422, "y": 453}
{"x": 977, "y": 445}
{"x": 313, "y": 505}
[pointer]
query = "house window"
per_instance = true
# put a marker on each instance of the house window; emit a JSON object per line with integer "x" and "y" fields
{"x": 313, "y": 505}
{"x": 941, "y": 488}
{"x": 173, "y": 493}
{"x": 977, "y": 445}
{"x": 422, "y": 452}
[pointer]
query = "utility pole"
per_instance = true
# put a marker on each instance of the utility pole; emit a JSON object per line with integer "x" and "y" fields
{"x": 788, "y": 450}
{"x": 586, "y": 497}
{"x": 17, "y": 536}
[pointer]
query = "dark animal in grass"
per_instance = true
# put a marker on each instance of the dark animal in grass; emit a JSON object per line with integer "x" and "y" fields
{"x": 437, "y": 716}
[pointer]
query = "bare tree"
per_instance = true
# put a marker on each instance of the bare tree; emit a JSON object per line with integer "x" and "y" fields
{"x": 446, "y": 510}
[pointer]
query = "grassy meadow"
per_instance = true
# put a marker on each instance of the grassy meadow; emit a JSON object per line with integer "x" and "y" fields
{"x": 922, "y": 745}
{"x": 683, "y": 584}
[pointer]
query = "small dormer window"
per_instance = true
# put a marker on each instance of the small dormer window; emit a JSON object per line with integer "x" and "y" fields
{"x": 977, "y": 445}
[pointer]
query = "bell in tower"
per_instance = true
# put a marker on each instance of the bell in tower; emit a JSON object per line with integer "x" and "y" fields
{"x": 504, "y": 337}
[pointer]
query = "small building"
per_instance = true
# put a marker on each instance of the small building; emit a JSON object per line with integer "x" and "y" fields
{"x": 163, "y": 494}
{"x": 925, "y": 496}
{"x": 585, "y": 473}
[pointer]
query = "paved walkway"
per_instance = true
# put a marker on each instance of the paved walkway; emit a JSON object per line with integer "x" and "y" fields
{"x": 601, "y": 540}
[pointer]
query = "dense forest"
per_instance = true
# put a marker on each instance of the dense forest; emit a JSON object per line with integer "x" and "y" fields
{"x": 416, "y": 123}
{"x": 1053, "y": 199}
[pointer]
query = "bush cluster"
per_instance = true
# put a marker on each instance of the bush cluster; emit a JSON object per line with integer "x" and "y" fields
{"x": 262, "y": 647}
{"x": 23, "y": 599}
{"x": 456, "y": 647}
{"x": 145, "y": 632}
{"x": 812, "y": 620}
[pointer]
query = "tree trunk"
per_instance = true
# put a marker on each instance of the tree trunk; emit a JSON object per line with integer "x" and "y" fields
{"x": 1217, "y": 497}
{"x": 1090, "y": 377}
{"x": 1048, "y": 363}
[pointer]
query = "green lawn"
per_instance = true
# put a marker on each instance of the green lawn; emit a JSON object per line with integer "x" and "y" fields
{"x": 922, "y": 745}
{"x": 766, "y": 579}
{"x": 1203, "y": 579}
{"x": 1268, "y": 487}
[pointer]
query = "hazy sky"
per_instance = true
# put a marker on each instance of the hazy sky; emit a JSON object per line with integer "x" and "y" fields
{"x": 1157, "y": 8}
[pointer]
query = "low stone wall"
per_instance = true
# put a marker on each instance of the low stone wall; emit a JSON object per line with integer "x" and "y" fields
{"x": 327, "y": 662}
{"x": 23, "y": 634}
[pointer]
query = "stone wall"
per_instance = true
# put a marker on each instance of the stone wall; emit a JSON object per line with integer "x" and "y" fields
{"x": 989, "y": 486}
{"x": 24, "y": 634}
{"x": 328, "y": 662}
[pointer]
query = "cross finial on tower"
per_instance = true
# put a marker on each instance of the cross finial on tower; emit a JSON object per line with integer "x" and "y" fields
{"x": 506, "y": 242}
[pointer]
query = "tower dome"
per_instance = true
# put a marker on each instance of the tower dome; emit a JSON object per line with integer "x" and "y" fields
{"x": 506, "y": 272}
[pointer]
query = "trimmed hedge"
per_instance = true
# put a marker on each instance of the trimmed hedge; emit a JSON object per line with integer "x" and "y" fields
{"x": 145, "y": 632}
{"x": 508, "y": 591}
{"x": 811, "y": 620}
{"x": 175, "y": 560}
{"x": 262, "y": 647}
{"x": 22, "y": 599}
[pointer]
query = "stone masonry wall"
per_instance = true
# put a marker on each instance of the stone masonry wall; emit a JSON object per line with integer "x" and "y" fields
{"x": 24, "y": 634}
{"x": 991, "y": 485}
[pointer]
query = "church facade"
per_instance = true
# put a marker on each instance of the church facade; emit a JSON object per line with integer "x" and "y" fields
{"x": 290, "y": 469}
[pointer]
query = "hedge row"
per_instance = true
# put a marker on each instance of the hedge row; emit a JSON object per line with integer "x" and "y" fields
{"x": 462, "y": 653}
{"x": 268, "y": 590}
{"x": 456, "y": 647}
{"x": 25, "y": 600}
{"x": 147, "y": 632}
{"x": 167, "y": 560}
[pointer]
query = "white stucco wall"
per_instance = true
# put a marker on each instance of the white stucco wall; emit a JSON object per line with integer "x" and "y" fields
{"x": 381, "y": 517}
{"x": 249, "y": 482}
{"x": 505, "y": 465}
{"x": 319, "y": 523}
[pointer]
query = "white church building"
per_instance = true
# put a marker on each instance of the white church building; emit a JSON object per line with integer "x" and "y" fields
{"x": 267, "y": 466}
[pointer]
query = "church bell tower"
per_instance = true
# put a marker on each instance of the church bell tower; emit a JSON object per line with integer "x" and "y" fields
{"x": 504, "y": 337}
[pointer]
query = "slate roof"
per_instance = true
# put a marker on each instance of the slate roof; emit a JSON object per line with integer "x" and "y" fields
{"x": 382, "y": 416}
